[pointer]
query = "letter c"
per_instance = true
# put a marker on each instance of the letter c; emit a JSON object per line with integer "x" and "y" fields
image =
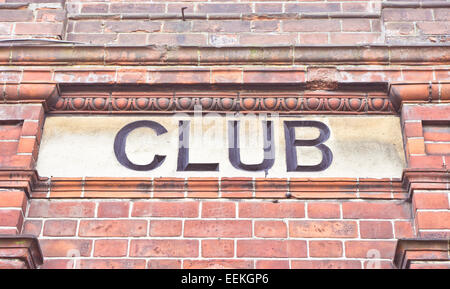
{"x": 120, "y": 141}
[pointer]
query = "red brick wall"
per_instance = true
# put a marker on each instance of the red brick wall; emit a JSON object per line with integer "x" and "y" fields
{"x": 227, "y": 23}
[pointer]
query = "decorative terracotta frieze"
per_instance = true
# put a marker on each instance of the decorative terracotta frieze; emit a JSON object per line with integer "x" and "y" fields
{"x": 166, "y": 102}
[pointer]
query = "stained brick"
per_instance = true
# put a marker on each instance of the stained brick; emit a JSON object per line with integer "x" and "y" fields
{"x": 164, "y": 248}
{"x": 323, "y": 229}
{"x": 113, "y": 228}
{"x": 219, "y": 228}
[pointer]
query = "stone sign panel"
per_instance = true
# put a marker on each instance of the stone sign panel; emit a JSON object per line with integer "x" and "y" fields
{"x": 216, "y": 145}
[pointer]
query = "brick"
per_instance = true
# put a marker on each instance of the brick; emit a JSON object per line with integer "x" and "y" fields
{"x": 311, "y": 25}
{"x": 223, "y": 8}
{"x": 234, "y": 26}
{"x": 89, "y": 27}
{"x": 217, "y": 248}
{"x": 92, "y": 38}
{"x": 13, "y": 199}
{"x": 136, "y": 8}
{"x": 165, "y": 228}
{"x": 441, "y": 14}
{"x": 403, "y": 229}
{"x": 325, "y": 249}
{"x": 94, "y": 8}
{"x": 217, "y": 228}
{"x": 39, "y": 28}
{"x": 431, "y": 27}
{"x": 437, "y": 148}
{"x": 57, "y": 264}
{"x": 8, "y": 148}
{"x": 218, "y": 210}
{"x": 11, "y": 218}
{"x": 375, "y": 210}
{"x": 313, "y": 7}
{"x": 26, "y": 145}
{"x": 314, "y": 38}
{"x": 177, "y": 38}
{"x": 218, "y": 264}
{"x": 431, "y": 200}
{"x": 355, "y": 38}
{"x": 270, "y": 229}
{"x": 65, "y": 247}
{"x": 356, "y": 25}
{"x": 370, "y": 249}
{"x": 266, "y": 26}
{"x": 321, "y": 210}
{"x": 176, "y": 26}
{"x": 413, "y": 129}
{"x": 415, "y": 146}
{"x": 376, "y": 230}
{"x": 433, "y": 220}
{"x": 326, "y": 264}
{"x": 271, "y": 210}
{"x": 63, "y": 228}
{"x": 7, "y": 15}
{"x": 113, "y": 209}
{"x": 10, "y": 131}
{"x": 272, "y": 264}
{"x": 164, "y": 264}
{"x": 132, "y": 26}
{"x": 110, "y": 248}
{"x": 436, "y": 132}
{"x": 406, "y": 14}
{"x": 265, "y": 39}
{"x": 164, "y": 248}
{"x": 430, "y": 161}
{"x": 177, "y": 209}
{"x": 269, "y": 7}
{"x": 113, "y": 228}
{"x": 400, "y": 29}
{"x": 378, "y": 264}
{"x": 273, "y": 76}
{"x": 32, "y": 227}
{"x": 416, "y": 112}
{"x": 271, "y": 248}
{"x": 58, "y": 209}
{"x": 323, "y": 229}
{"x": 112, "y": 264}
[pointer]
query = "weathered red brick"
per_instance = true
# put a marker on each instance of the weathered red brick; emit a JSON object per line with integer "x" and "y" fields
{"x": 165, "y": 209}
{"x": 165, "y": 228}
{"x": 375, "y": 210}
{"x": 271, "y": 210}
{"x": 164, "y": 248}
{"x": 217, "y": 248}
{"x": 323, "y": 229}
{"x": 270, "y": 229}
{"x": 271, "y": 248}
{"x": 217, "y": 228}
{"x": 110, "y": 248}
{"x": 61, "y": 209}
{"x": 319, "y": 210}
{"x": 376, "y": 230}
{"x": 63, "y": 228}
{"x": 325, "y": 249}
{"x": 113, "y": 209}
{"x": 66, "y": 247}
{"x": 112, "y": 228}
{"x": 218, "y": 210}
{"x": 370, "y": 249}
